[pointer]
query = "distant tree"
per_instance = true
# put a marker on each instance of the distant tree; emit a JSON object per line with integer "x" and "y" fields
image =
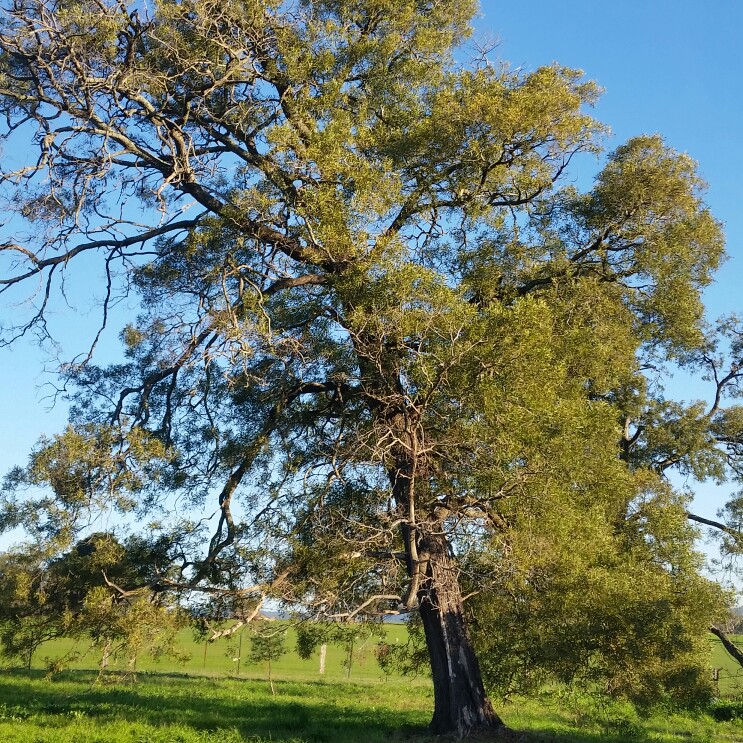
{"x": 21, "y": 631}
{"x": 379, "y": 325}
{"x": 223, "y": 615}
{"x": 267, "y": 644}
{"x": 351, "y": 636}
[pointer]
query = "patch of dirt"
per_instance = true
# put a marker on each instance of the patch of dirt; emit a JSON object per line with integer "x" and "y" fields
{"x": 501, "y": 735}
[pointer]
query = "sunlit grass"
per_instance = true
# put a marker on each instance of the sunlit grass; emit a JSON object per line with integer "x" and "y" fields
{"x": 730, "y": 673}
{"x": 204, "y": 701}
{"x": 172, "y": 708}
{"x": 219, "y": 658}
{"x": 180, "y": 708}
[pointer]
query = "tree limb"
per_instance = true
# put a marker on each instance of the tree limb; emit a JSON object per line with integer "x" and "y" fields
{"x": 735, "y": 533}
{"x": 728, "y": 644}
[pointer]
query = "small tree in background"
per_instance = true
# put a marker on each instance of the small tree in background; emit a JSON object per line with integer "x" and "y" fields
{"x": 348, "y": 635}
{"x": 267, "y": 644}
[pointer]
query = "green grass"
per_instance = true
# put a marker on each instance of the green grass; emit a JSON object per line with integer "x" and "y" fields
{"x": 730, "y": 673}
{"x": 218, "y": 658}
{"x": 168, "y": 707}
{"x": 171, "y": 708}
{"x": 200, "y": 702}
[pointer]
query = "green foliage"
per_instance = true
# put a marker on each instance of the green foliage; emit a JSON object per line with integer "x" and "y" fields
{"x": 352, "y": 637}
{"x": 88, "y": 467}
{"x": 78, "y": 595}
{"x": 594, "y": 708}
{"x": 409, "y": 658}
{"x": 724, "y": 710}
{"x": 376, "y": 319}
{"x": 267, "y": 643}
{"x": 609, "y": 600}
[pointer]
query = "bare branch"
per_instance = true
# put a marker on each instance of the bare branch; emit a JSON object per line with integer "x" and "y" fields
{"x": 735, "y": 533}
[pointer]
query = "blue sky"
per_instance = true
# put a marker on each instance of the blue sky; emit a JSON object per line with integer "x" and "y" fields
{"x": 668, "y": 66}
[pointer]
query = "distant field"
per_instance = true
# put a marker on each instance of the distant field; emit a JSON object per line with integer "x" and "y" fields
{"x": 731, "y": 674}
{"x": 219, "y": 658}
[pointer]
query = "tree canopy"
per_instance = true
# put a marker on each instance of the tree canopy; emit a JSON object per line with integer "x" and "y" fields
{"x": 388, "y": 356}
{"x": 78, "y": 595}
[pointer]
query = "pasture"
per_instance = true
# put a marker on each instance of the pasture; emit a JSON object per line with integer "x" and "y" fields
{"x": 205, "y": 701}
{"x": 220, "y": 658}
{"x": 730, "y": 673}
{"x": 172, "y": 708}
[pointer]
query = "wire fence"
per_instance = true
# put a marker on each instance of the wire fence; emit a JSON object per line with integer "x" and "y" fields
{"x": 728, "y": 683}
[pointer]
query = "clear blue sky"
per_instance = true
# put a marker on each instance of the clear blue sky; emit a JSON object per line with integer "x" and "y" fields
{"x": 668, "y": 66}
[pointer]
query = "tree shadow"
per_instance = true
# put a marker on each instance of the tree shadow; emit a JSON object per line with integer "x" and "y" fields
{"x": 307, "y": 710}
{"x": 301, "y": 710}
{"x": 563, "y": 736}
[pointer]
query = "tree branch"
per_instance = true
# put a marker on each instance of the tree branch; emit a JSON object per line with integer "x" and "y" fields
{"x": 735, "y": 533}
{"x": 728, "y": 644}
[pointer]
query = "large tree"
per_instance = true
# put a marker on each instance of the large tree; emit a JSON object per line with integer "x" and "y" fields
{"x": 378, "y": 326}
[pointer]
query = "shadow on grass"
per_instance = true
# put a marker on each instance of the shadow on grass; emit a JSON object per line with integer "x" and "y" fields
{"x": 315, "y": 712}
{"x": 572, "y": 736}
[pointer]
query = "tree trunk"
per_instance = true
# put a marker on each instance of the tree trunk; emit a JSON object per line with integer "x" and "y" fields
{"x": 105, "y": 656}
{"x": 270, "y": 679}
{"x": 461, "y": 704}
{"x": 460, "y": 701}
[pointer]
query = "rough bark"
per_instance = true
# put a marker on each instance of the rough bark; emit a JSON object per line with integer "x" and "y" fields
{"x": 461, "y": 704}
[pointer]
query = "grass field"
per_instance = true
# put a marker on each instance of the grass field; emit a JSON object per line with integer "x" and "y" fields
{"x": 219, "y": 658}
{"x": 730, "y": 673}
{"x": 198, "y": 703}
{"x": 170, "y": 708}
